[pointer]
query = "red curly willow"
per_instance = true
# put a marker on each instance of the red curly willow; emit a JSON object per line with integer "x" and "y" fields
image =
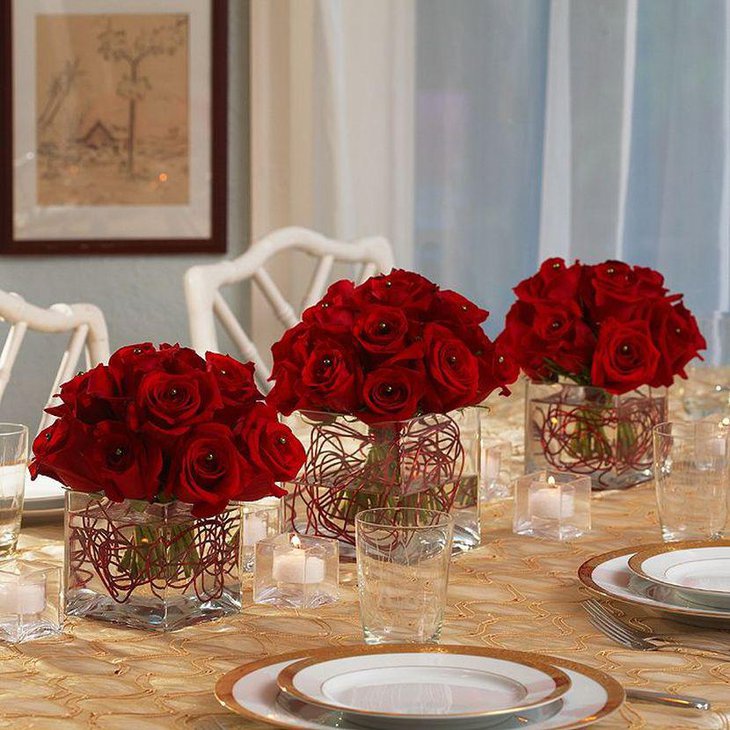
{"x": 193, "y": 555}
{"x": 416, "y": 463}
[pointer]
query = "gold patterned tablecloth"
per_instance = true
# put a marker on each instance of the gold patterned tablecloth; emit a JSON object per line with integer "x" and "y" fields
{"x": 513, "y": 592}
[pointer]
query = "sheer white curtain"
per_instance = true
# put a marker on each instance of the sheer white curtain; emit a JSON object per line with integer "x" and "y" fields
{"x": 484, "y": 135}
{"x": 332, "y": 125}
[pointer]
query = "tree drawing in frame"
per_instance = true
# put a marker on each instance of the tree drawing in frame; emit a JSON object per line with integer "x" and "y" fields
{"x": 112, "y": 109}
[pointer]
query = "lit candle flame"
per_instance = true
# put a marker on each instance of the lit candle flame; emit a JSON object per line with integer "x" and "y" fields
{"x": 551, "y": 481}
{"x": 295, "y": 541}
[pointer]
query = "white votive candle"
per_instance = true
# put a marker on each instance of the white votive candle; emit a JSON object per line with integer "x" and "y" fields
{"x": 296, "y": 566}
{"x": 254, "y": 529}
{"x": 549, "y": 502}
{"x": 25, "y": 599}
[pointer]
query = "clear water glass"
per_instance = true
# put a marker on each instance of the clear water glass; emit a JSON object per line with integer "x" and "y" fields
{"x": 692, "y": 476}
{"x": 403, "y": 557}
{"x": 13, "y": 466}
{"x": 706, "y": 392}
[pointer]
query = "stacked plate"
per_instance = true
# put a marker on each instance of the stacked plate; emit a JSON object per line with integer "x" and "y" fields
{"x": 685, "y": 581}
{"x": 404, "y": 687}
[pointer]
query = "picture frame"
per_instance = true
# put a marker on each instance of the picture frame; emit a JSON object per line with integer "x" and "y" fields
{"x": 114, "y": 126}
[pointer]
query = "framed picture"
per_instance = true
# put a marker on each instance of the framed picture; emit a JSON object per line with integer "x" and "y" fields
{"x": 113, "y": 126}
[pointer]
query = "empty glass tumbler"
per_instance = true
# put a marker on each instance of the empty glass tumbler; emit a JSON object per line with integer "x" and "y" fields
{"x": 13, "y": 467}
{"x": 692, "y": 473}
{"x": 403, "y": 557}
{"x": 706, "y": 392}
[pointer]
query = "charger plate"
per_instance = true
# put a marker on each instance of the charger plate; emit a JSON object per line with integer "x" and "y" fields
{"x": 609, "y": 575}
{"x": 424, "y": 685}
{"x": 251, "y": 691}
{"x": 698, "y": 570}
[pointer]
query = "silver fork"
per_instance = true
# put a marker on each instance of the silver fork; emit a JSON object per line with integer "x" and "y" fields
{"x": 623, "y": 633}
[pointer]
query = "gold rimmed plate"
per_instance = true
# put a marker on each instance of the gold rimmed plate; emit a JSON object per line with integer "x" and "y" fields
{"x": 251, "y": 691}
{"x": 698, "y": 570}
{"x": 609, "y": 575}
{"x": 418, "y": 685}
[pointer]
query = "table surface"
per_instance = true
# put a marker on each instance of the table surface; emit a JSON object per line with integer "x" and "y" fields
{"x": 513, "y": 592}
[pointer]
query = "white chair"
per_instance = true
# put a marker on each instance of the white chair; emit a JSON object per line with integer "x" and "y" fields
{"x": 88, "y": 331}
{"x": 204, "y": 301}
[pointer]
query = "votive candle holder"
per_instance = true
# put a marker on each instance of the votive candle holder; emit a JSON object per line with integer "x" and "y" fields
{"x": 30, "y": 601}
{"x": 551, "y": 504}
{"x": 261, "y": 519}
{"x": 296, "y": 571}
{"x": 496, "y": 483}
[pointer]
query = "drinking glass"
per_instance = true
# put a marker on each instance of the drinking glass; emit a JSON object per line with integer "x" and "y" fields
{"x": 13, "y": 465}
{"x": 403, "y": 557}
{"x": 706, "y": 392}
{"x": 692, "y": 473}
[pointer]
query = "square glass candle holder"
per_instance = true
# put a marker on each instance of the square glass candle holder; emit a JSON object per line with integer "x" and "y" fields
{"x": 496, "y": 482}
{"x": 260, "y": 520}
{"x": 550, "y": 504}
{"x": 30, "y": 601}
{"x": 296, "y": 571}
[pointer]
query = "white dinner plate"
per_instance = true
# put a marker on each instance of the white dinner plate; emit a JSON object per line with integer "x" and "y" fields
{"x": 418, "y": 685}
{"x": 609, "y": 575}
{"x": 699, "y": 571}
{"x": 42, "y": 493}
{"x": 252, "y": 691}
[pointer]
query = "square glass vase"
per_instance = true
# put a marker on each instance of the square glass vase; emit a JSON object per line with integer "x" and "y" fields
{"x": 432, "y": 461}
{"x": 585, "y": 430}
{"x": 150, "y": 566}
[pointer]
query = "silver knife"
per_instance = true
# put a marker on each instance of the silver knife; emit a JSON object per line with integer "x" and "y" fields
{"x": 663, "y": 698}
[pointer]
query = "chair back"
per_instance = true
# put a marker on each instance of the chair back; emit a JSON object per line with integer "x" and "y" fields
{"x": 84, "y": 322}
{"x": 203, "y": 283}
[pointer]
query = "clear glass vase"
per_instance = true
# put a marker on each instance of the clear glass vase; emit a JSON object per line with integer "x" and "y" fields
{"x": 150, "y": 566}
{"x": 585, "y": 430}
{"x": 431, "y": 461}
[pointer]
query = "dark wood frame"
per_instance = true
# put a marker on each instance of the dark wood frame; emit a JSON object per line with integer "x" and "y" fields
{"x": 217, "y": 242}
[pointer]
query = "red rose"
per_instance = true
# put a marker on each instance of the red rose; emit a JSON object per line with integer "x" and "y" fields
{"x": 505, "y": 367}
{"x": 208, "y": 470}
{"x": 292, "y": 349}
{"x": 522, "y": 344}
{"x": 391, "y": 393}
{"x": 381, "y": 330}
{"x": 625, "y": 356}
{"x": 491, "y": 370}
{"x": 269, "y": 445}
{"x": 554, "y": 281}
{"x": 127, "y": 465}
{"x": 235, "y": 380}
{"x": 398, "y": 289}
{"x": 678, "y": 339}
{"x": 129, "y": 363}
{"x": 335, "y": 311}
{"x": 615, "y": 289}
{"x": 172, "y": 403}
{"x": 330, "y": 378}
{"x": 59, "y": 453}
{"x": 450, "y": 307}
{"x": 563, "y": 336}
{"x": 452, "y": 370}
{"x": 91, "y": 397}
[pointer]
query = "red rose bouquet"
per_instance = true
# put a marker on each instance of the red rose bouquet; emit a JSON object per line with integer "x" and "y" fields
{"x": 163, "y": 425}
{"x": 608, "y": 336}
{"x": 610, "y": 325}
{"x": 404, "y": 357}
{"x": 389, "y": 349}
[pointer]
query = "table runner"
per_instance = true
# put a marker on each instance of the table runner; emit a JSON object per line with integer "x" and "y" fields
{"x": 513, "y": 592}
